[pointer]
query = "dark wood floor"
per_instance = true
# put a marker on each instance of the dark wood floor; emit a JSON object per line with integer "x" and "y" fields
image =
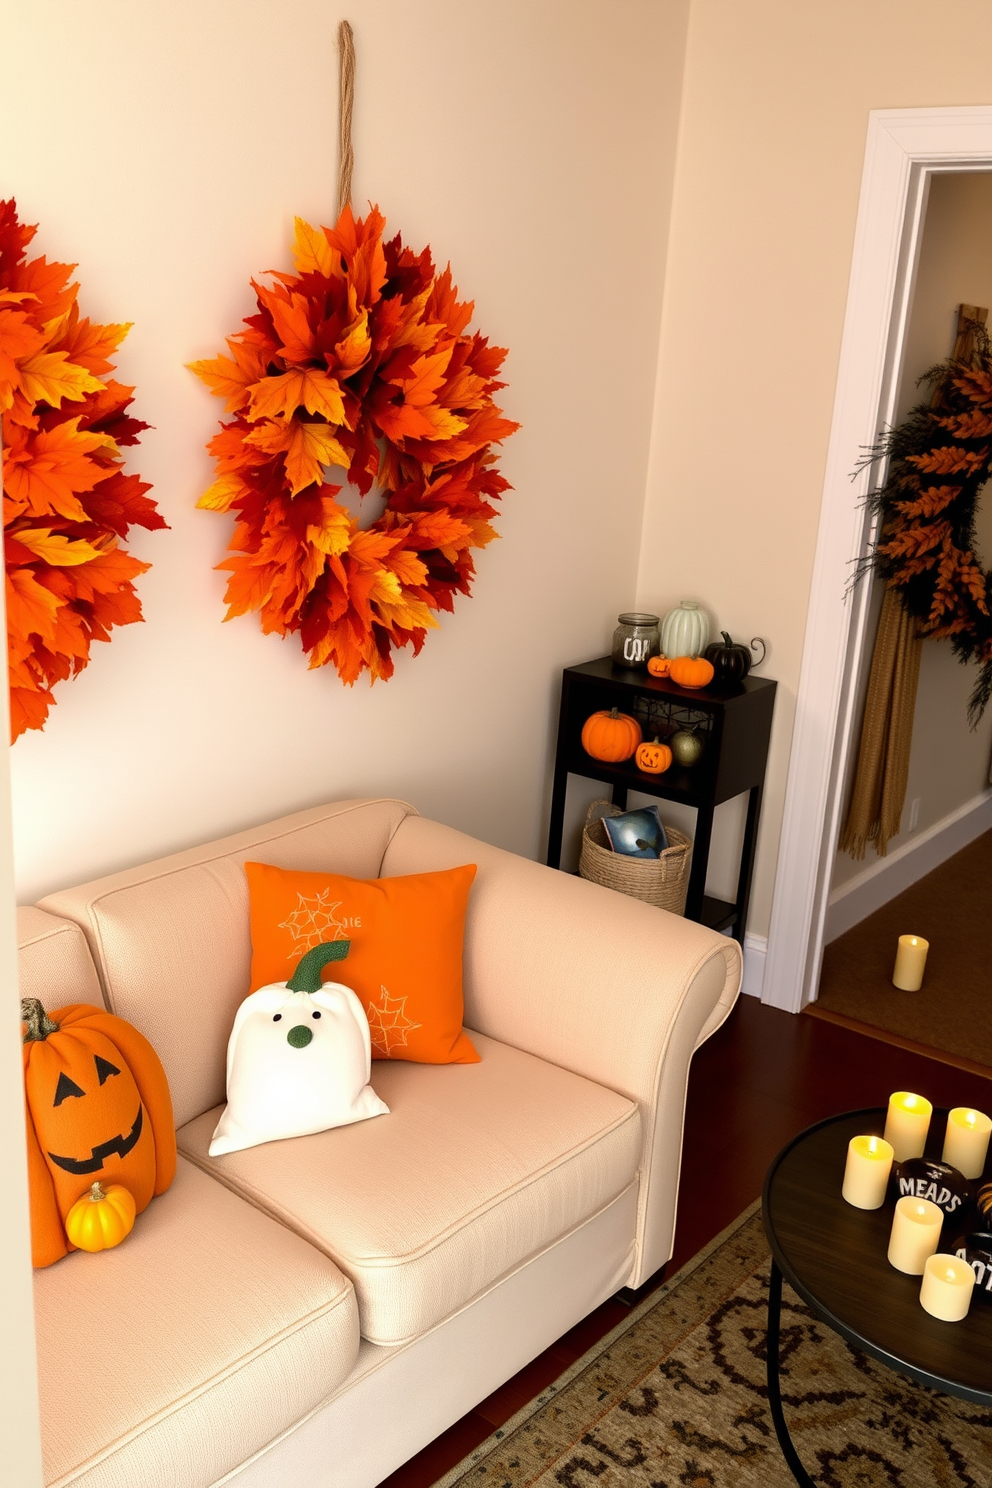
{"x": 761, "y": 1079}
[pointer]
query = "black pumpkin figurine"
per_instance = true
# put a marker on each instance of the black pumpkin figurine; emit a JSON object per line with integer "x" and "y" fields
{"x": 943, "y": 1185}
{"x": 975, "y": 1247}
{"x": 984, "y": 1202}
{"x": 732, "y": 660}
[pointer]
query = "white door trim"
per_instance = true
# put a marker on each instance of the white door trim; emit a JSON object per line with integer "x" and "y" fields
{"x": 905, "y": 147}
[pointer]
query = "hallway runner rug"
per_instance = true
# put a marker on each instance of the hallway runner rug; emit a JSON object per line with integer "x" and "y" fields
{"x": 952, "y": 1011}
{"x": 675, "y": 1397}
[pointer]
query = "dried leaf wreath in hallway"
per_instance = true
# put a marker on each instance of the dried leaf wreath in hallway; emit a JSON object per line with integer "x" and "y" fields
{"x": 675, "y": 1397}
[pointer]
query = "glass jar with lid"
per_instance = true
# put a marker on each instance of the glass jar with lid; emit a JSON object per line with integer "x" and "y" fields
{"x": 636, "y": 637}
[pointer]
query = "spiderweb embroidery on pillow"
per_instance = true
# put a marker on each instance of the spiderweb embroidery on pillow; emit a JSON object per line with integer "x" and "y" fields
{"x": 388, "y": 1023}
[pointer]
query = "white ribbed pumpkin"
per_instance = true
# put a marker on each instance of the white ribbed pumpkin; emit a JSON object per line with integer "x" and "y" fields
{"x": 685, "y": 630}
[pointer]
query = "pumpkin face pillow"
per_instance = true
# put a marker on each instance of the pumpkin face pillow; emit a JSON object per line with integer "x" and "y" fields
{"x": 99, "y": 1118}
{"x": 298, "y": 1060}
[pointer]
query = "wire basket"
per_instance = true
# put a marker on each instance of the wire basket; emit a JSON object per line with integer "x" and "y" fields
{"x": 661, "y": 881}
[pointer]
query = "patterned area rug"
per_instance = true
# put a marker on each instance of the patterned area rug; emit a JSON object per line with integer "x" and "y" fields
{"x": 675, "y": 1397}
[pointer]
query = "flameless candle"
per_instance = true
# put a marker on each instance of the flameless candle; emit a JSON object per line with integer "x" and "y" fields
{"x": 947, "y": 1287}
{"x": 966, "y": 1141}
{"x": 907, "y": 1124}
{"x": 911, "y": 958}
{"x": 915, "y": 1235}
{"x": 866, "y": 1176}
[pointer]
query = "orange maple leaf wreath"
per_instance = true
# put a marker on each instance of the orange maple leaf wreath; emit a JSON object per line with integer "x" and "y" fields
{"x": 67, "y": 503}
{"x": 940, "y": 461}
{"x": 359, "y": 360}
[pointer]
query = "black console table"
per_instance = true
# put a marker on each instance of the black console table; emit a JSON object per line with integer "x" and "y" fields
{"x": 734, "y": 724}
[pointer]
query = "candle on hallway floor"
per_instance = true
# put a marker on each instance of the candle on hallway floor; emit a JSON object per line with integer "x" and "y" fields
{"x": 966, "y": 1141}
{"x": 915, "y": 1235}
{"x": 946, "y": 1289}
{"x": 866, "y": 1175}
{"x": 907, "y": 1124}
{"x": 911, "y": 958}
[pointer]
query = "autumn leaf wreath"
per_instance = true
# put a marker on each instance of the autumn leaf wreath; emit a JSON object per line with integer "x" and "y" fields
{"x": 940, "y": 457}
{"x": 360, "y": 360}
{"x": 68, "y": 504}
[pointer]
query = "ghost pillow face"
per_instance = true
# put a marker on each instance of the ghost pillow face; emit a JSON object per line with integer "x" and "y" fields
{"x": 298, "y": 1060}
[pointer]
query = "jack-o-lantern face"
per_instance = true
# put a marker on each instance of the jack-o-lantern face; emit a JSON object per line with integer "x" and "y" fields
{"x": 76, "y": 1121}
{"x": 654, "y": 758}
{"x": 98, "y": 1107}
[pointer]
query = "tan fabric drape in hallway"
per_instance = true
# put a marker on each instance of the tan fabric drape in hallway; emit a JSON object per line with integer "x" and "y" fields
{"x": 886, "y": 733}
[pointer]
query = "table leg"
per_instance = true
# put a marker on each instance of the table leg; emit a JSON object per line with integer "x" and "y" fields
{"x": 774, "y": 1387}
{"x": 698, "y": 863}
{"x": 557, "y": 822}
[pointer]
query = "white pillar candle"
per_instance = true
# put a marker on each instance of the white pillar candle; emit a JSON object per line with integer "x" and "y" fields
{"x": 946, "y": 1288}
{"x": 911, "y": 958}
{"x": 915, "y": 1234}
{"x": 866, "y": 1176}
{"x": 966, "y": 1141}
{"x": 907, "y": 1124}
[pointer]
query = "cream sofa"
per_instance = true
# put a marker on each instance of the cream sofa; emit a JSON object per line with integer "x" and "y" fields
{"x": 312, "y": 1312}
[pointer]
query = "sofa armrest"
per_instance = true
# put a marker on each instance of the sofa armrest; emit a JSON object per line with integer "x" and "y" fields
{"x": 591, "y": 980}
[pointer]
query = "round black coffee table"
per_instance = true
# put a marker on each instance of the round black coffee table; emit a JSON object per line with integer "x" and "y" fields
{"x": 834, "y": 1256}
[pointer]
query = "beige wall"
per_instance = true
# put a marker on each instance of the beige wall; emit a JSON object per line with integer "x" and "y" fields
{"x": 167, "y": 147}
{"x": 551, "y": 201}
{"x": 775, "y": 110}
{"x": 949, "y": 762}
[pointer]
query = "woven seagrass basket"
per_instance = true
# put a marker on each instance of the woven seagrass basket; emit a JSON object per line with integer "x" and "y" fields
{"x": 662, "y": 881}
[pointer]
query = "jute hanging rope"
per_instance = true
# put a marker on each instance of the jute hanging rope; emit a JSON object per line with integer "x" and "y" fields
{"x": 346, "y": 52}
{"x": 360, "y": 360}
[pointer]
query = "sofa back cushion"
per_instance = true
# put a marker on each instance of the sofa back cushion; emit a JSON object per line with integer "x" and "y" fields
{"x": 54, "y": 962}
{"x": 171, "y": 938}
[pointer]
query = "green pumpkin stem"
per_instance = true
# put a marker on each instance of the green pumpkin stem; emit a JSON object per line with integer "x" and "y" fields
{"x": 306, "y": 977}
{"x": 39, "y": 1023}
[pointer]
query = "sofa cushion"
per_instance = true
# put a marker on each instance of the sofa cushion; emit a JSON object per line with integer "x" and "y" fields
{"x": 54, "y": 962}
{"x": 477, "y": 1168}
{"x": 171, "y": 937}
{"x": 175, "y": 1356}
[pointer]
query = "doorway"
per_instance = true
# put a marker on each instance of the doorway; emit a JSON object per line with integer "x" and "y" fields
{"x": 931, "y": 877}
{"x": 906, "y": 150}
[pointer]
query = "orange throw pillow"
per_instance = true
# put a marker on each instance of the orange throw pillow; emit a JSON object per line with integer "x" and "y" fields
{"x": 405, "y": 961}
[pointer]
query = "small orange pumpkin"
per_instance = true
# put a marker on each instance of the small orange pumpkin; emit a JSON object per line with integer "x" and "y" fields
{"x": 659, "y": 666}
{"x": 653, "y": 758}
{"x": 98, "y": 1109}
{"x": 102, "y": 1218}
{"x": 691, "y": 671}
{"x": 610, "y": 736}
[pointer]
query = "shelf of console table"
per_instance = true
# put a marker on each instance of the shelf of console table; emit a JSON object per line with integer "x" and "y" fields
{"x": 734, "y": 723}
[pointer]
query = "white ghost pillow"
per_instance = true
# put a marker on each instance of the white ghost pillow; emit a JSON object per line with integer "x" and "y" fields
{"x": 298, "y": 1059}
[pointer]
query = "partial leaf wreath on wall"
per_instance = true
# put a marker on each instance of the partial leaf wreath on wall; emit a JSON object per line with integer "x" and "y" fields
{"x": 68, "y": 504}
{"x": 940, "y": 457}
{"x": 361, "y": 360}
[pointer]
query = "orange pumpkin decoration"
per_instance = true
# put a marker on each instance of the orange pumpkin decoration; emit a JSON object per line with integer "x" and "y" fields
{"x": 101, "y": 1219}
{"x": 610, "y": 736}
{"x": 98, "y": 1109}
{"x": 659, "y": 666}
{"x": 653, "y": 758}
{"x": 691, "y": 671}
